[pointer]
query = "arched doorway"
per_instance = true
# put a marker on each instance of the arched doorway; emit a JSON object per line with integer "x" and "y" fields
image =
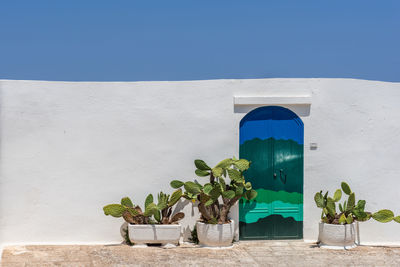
{"x": 272, "y": 139}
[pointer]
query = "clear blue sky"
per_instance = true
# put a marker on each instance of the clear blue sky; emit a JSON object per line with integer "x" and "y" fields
{"x": 187, "y": 40}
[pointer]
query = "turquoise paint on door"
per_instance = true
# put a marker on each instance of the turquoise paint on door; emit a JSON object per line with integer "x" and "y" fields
{"x": 272, "y": 139}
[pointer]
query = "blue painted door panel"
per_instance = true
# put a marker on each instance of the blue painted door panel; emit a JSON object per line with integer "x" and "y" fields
{"x": 272, "y": 139}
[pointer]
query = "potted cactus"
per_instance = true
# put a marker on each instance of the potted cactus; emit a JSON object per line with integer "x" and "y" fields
{"x": 338, "y": 230}
{"x": 216, "y": 197}
{"x": 156, "y": 224}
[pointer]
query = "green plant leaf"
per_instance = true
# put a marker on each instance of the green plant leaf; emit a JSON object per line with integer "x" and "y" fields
{"x": 201, "y": 165}
{"x": 215, "y": 192}
{"x": 235, "y": 175}
{"x": 319, "y": 200}
{"x": 192, "y": 188}
{"x": 349, "y": 219}
{"x": 383, "y": 216}
{"x": 325, "y": 210}
{"x": 190, "y": 196}
{"x": 162, "y": 201}
{"x": 351, "y": 202}
{"x": 162, "y": 205}
{"x": 224, "y": 163}
{"x": 359, "y": 214}
{"x": 217, "y": 171}
{"x": 239, "y": 190}
{"x": 176, "y": 195}
{"x": 176, "y": 184}
{"x": 251, "y": 194}
{"x": 209, "y": 202}
{"x": 157, "y": 216}
{"x": 228, "y": 194}
{"x": 346, "y": 188}
{"x": 212, "y": 221}
{"x": 222, "y": 184}
{"x": 242, "y": 164}
{"x": 133, "y": 211}
{"x": 360, "y": 205}
{"x": 150, "y": 209}
{"x": 126, "y": 201}
{"x": 342, "y": 219}
{"x": 341, "y": 208}
{"x": 248, "y": 186}
{"x": 115, "y": 210}
{"x": 364, "y": 216}
{"x": 397, "y": 219}
{"x": 331, "y": 206}
{"x": 149, "y": 199}
{"x": 338, "y": 195}
{"x": 207, "y": 188}
{"x": 201, "y": 173}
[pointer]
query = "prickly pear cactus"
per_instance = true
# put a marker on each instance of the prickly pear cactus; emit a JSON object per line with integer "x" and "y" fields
{"x": 383, "y": 216}
{"x": 134, "y": 215}
{"x": 115, "y": 210}
{"x": 225, "y": 180}
{"x": 349, "y": 210}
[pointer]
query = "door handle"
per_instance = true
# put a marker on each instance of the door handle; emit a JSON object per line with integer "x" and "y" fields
{"x": 280, "y": 176}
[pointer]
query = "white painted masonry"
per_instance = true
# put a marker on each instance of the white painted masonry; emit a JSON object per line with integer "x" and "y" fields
{"x": 69, "y": 148}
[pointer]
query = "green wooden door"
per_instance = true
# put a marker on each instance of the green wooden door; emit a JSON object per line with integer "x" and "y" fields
{"x": 272, "y": 139}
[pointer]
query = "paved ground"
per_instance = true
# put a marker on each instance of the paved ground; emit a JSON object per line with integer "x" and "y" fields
{"x": 265, "y": 253}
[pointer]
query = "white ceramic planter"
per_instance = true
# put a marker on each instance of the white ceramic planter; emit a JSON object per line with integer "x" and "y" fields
{"x": 154, "y": 233}
{"x": 336, "y": 236}
{"x": 215, "y": 235}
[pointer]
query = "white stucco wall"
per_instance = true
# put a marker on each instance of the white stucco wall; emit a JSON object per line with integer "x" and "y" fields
{"x": 68, "y": 148}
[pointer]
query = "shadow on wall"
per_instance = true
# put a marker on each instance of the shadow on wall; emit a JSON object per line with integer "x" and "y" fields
{"x": 191, "y": 216}
{"x": 301, "y": 110}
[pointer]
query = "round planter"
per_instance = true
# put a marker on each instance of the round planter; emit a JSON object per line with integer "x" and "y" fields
{"x": 215, "y": 235}
{"x": 154, "y": 233}
{"x": 336, "y": 236}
